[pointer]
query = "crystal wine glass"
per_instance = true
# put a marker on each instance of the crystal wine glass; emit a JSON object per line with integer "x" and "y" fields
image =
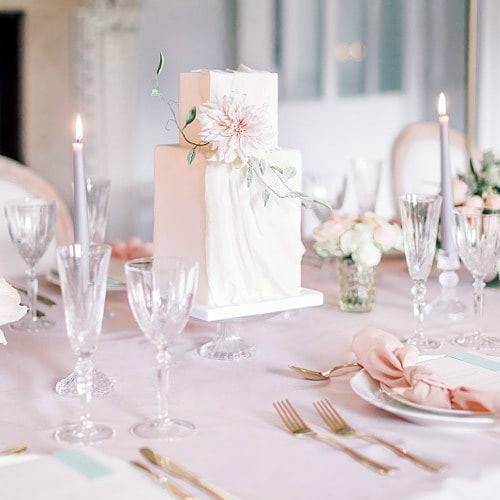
{"x": 366, "y": 176}
{"x": 161, "y": 292}
{"x": 420, "y": 217}
{"x": 98, "y": 189}
{"x": 31, "y": 223}
{"x": 478, "y": 242}
{"x": 83, "y": 284}
{"x": 330, "y": 188}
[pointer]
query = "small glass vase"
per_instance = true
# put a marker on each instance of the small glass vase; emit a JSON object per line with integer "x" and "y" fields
{"x": 356, "y": 286}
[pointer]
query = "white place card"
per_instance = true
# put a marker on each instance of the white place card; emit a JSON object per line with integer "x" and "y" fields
{"x": 77, "y": 475}
{"x": 466, "y": 369}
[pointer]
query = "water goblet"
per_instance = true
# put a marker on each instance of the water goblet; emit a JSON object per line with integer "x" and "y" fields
{"x": 330, "y": 188}
{"x": 366, "y": 176}
{"x": 31, "y": 223}
{"x": 98, "y": 189}
{"x": 83, "y": 292}
{"x": 161, "y": 293}
{"x": 420, "y": 217}
{"x": 478, "y": 241}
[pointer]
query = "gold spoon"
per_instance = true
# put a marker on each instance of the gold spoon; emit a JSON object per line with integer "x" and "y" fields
{"x": 13, "y": 451}
{"x": 326, "y": 375}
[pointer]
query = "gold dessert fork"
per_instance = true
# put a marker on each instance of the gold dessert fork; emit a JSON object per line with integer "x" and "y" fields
{"x": 326, "y": 375}
{"x": 339, "y": 426}
{"x": 294, "y": 423}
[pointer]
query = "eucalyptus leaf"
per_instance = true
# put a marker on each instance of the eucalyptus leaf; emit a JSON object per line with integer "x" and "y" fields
{"x": 161, "y": 63}
{"x": 191, "y": 155}
{"x": 289, "y": 172}
{"x": 262, "y": 167}
{"x": 276, "y": 169}
{"x": 249, "y": 176}
{"x": 265, "y": 196}
{"x": 190, "y": 116}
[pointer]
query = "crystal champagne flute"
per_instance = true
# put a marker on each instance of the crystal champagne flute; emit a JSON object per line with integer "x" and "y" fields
{"x": 161, "y": 293}
{"x": 31, "y": 223}
{"x": 420, "y": 217}
{"x": 83, "y": 292}
{"x": 478, "y": 241}
{"x": 98, "y": 189}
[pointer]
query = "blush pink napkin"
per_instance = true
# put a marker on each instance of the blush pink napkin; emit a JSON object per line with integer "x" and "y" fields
{"x": 392, "y": 363}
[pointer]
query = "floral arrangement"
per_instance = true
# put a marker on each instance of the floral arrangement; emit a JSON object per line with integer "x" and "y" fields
{"x": 10, "y": 308}
{"x": 361, "y": 240}
{"x": 237, "y": 133}
{"x": 134, "y": 248}
{"x": 480, "y": 186}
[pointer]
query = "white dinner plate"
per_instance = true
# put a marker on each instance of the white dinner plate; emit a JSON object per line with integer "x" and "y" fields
{"x": 397, "y": 394}
{"x": 369, "y": 390}
{"x": 113, "y": 285}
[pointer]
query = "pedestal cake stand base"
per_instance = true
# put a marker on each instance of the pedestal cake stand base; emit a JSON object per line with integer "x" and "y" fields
{"x": 227, "y": 344}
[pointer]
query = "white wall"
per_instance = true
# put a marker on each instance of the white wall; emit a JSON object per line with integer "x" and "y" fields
{"x": 191, "y": 34}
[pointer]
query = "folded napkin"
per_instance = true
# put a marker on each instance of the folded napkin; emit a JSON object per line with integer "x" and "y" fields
{"x": 394, "y": 364}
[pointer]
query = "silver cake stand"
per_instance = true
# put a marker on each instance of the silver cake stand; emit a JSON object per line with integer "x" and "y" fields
{"x": 228, "y": 345}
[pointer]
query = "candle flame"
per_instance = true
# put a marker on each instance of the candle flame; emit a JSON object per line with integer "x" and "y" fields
{"x": 441, "y": 107}
{"x": 78, "y": 128}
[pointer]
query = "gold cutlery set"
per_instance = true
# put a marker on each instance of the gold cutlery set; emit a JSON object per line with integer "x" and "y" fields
{"x": 170, "y": 468}
{"x": 338, "y": 426}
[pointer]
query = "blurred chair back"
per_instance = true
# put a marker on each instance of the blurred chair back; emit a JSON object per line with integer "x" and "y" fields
{"x": 416, "y": 159}
{"x": 18, "y": 181}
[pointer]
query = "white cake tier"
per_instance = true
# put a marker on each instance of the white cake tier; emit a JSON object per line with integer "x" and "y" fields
{"x": 198, "y": 87}
{"x": 247, "y": 252}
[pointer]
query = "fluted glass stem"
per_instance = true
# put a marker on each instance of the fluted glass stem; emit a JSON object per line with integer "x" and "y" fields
{"x": 418, "y": 291}
{"x": 163, "y": 359}
{"x": 478, "y": 286}
{"x": 32, "y": 293}
{"x": 84, "y": 371}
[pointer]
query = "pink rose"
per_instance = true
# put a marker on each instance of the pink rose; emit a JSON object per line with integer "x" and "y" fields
{"x": 492, "y": 202}
{"x": 460, "y": 190}
{"x": 474, "y": 202}
{"x": 329, "y": 231}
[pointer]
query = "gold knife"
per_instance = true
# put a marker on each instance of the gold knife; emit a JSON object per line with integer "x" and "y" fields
{"x": 175, "y": 469}
{"x": 174, "y": 488}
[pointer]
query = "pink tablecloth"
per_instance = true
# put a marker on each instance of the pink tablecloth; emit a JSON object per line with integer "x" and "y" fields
{"x": 240, "y": 444}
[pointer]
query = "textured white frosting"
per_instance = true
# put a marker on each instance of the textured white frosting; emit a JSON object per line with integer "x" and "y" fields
{"x": 253, "y": 252}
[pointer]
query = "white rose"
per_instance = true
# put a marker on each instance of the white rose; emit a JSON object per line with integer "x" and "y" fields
{"x": 386, "y": 236}
{"x": 349, "y": 241}
{"x": 367, "y": 255}
{"x": 10, "y": 310}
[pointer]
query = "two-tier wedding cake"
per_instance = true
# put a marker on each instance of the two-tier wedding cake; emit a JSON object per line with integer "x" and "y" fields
{"x": 227, "y": 196}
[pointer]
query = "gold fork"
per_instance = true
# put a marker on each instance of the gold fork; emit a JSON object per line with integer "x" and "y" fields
{"x": 339, "y": 426}
{"x": 294, "y": 423}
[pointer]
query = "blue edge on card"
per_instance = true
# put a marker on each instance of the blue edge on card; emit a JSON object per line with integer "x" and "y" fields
{"x": 82, "y": 463}
{"x": 474, "y": 359}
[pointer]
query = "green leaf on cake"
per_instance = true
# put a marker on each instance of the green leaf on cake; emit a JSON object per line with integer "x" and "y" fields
{"x": 190, "y": 116}
{"x": 249, "y": 176}
{"x": 191, "y": 155}
{"x": 289, "y": 172}
{"x": 296, "y": 194}
{"x": 262, "y": 167}
{"x": 265, "y": 196}
{"x": 160, "y": 64}
{"x": 277, "y": 169}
